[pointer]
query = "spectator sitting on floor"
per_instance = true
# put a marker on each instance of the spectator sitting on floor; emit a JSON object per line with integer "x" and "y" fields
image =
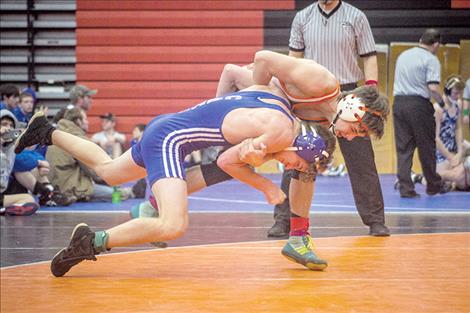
{"x": 109, "y": 139}
{"x": 72, "y": 177}
{"x": 80, "y": 96}
{"x": 11, "y": 203}
{"x": 10, "y": 97}
{"x": 450, "y": 152}
{"x": 24, "y": 111}
{"x": 30, "y": 172}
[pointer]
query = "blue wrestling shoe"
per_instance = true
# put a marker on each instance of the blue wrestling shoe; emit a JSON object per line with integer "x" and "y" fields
{"x": 299, "y": 249}
{"x": 145, "y": 209}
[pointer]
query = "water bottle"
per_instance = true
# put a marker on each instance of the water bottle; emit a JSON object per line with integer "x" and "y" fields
{"x": 116, "y": 196}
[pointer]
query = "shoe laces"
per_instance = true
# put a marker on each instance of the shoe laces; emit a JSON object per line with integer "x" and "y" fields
{"x": 78, "y": 251}
{"x": 309, "y": 242}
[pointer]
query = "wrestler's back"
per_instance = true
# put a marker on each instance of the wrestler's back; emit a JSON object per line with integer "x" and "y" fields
{"x": 234, "y": 117}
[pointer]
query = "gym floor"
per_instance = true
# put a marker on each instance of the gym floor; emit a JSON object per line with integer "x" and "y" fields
{"x": 225, "y": 262}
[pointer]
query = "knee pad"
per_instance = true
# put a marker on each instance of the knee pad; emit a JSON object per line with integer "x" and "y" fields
{"x": 213, "y": 174}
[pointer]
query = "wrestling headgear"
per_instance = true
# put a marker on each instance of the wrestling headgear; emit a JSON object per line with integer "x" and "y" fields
{"x": 352, "y": 109}
{"x": 309, "y": 145}
{"x": 452, "y": 82}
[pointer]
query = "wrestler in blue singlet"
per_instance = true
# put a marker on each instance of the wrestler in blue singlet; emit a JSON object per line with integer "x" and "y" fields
{"x": 169, "y": 138}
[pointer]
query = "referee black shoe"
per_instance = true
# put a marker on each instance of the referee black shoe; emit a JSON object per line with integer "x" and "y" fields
{"x": 80, "y": 248}
{"x": 279, "y": 230}
{"x": 39, "y": 131}
{"x": 379, "y": 230}
{"x": 445, "y": 187}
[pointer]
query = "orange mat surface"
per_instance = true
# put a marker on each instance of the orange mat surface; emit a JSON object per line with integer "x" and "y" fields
{"x": 407, "y": 273}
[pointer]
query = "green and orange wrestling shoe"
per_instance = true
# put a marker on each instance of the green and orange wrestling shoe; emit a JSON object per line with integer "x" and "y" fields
{"x": 299, "y": 249}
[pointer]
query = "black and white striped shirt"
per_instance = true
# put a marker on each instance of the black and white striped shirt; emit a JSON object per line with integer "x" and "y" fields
{"x": 334, "y": 40}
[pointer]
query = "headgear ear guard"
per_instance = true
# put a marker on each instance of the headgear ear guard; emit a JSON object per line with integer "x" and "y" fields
{"x": 352, "y": 109}
{"x": 450, "y": 84}
{"x": 309, "y": 145}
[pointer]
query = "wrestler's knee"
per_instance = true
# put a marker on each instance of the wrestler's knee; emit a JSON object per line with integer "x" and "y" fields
{"x": 173, "y": 229}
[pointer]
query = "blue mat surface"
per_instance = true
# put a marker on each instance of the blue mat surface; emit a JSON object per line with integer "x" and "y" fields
{"x": 332, "y": 194}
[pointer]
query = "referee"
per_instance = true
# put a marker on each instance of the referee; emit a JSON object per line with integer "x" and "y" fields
{"x": 334, "y": 34}
{"x": 417, "y": 77}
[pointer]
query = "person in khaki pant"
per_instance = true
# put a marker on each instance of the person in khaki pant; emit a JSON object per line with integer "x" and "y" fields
{"x": 66, "y": 172}
{"x": 71, "y": 176}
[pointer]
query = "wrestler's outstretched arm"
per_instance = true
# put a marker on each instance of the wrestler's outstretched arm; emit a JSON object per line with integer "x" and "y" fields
{"x": 229, "y": 161}
{"x": 301, "y": 190}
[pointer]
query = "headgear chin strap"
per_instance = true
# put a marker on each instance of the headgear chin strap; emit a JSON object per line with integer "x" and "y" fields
{"x": 309, "y": 145}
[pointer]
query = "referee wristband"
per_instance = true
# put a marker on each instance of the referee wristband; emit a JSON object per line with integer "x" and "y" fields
{"x": 371, "y": 82}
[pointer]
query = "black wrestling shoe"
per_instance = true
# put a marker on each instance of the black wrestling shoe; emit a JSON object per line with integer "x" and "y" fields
{"x": 444, "y": 188}
{"x": 39, "y": 131}
{"x": 379, "y": 230}
{"x": 279, "y": 230}
{"x": 410, "y": 195}
{"x": 140, "y": 188}
{"x": 80, "y": 248}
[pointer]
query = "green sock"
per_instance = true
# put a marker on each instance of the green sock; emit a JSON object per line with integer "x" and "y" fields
{"x": 101, "y": 241}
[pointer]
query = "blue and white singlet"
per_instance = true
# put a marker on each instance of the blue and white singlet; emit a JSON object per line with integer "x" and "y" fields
{"x": 447, "y": 133}
{"x": 169, "y": 138}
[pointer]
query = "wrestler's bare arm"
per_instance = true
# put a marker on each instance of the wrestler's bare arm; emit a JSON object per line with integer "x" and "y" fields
{"x": 229, "y": 162}
{"x": 234, "y": 78}
{"x": 274, "y": 140}
{"x": 305, "y": 78}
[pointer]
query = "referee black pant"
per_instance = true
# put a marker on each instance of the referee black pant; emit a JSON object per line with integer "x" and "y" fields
{"x": 359, "y": 158}
{"x": 415, "y": 127}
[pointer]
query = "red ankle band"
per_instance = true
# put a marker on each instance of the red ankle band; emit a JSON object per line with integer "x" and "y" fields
{"x": 299, "y": 226}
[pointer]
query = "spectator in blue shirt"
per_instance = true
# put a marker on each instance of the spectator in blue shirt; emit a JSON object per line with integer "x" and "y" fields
{"x": 24, "y": 111}
{"x": 10, "y": 97}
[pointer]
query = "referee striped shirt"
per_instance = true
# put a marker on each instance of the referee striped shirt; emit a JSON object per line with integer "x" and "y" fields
{"x": 334, "y": 40}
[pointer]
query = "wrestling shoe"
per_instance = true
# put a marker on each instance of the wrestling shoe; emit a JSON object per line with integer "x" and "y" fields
{"x": 80, "y": 248}
{"x": 55, "y": 198}
{"x": 140, "y": 188}
{"x": 299, "y": 249}
{"x": 39, "y": 131}
{"x": 28, "y": 208}
{"x": 279, "y": 230}
{"x": 145, "y": 209}
{"x": 379, "y": 230}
